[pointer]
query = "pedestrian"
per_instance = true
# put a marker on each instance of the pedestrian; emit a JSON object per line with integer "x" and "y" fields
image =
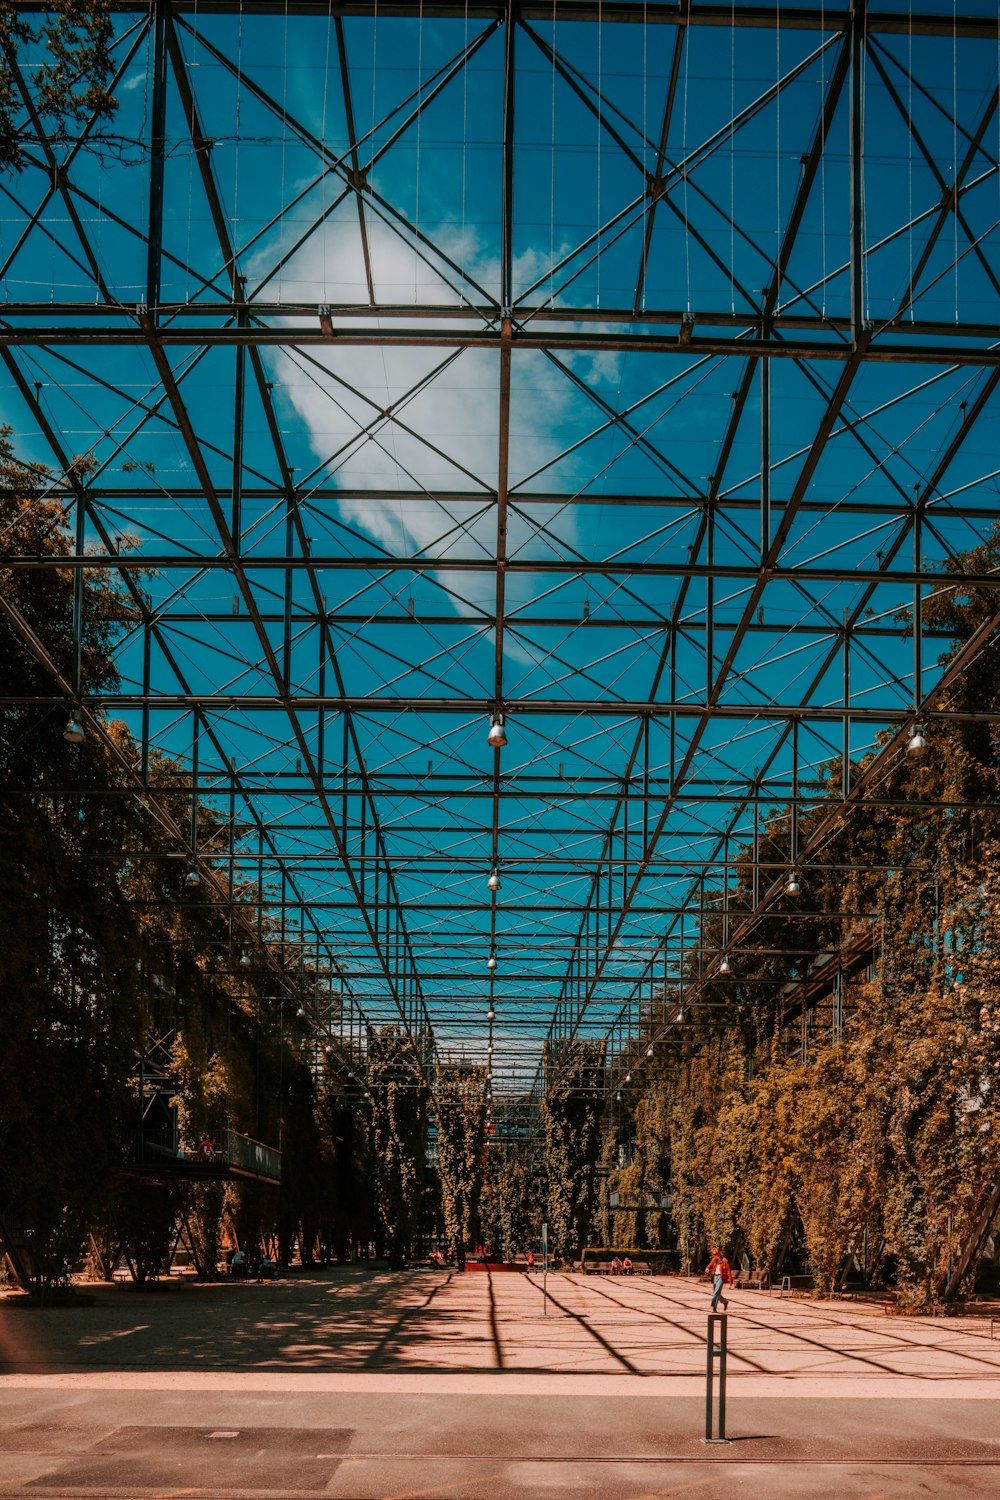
{"x": 722, "y": 1276}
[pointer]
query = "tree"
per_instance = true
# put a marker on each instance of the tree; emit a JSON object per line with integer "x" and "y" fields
{"x": 69, "y": 1003}
{"x": 145, "y": 1215}
{"x": 885, "y": 1130}
{"x": 108, "y": 947}
{"x": 68, "y": 88}
{"x": 507, "y": 1209}
{"x": 571, "y": 1120}
{"x": 203, "y": 1103}
{"x": 348, "y": 1212}
{"x": 399, "y": 1098}
{"x": 460, "y": 1102}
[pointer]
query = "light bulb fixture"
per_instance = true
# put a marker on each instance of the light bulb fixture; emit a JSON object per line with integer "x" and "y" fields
{"x": 723, "y": 965}
{"x": 649, "y": 1050}
{"x": 301, "y": 1011}
{"x": 491, "y": 1014}
{"x": 680, "y": 1018}
{"x": 193, "y": 878}
{"x": 793, "y": 887}
{"x": 628, "y": 1077}
{"x": 916, "y": 745}
{"x": 494, "y": 880}
{"x": 244, "y": 959}
{"x": 497, "y": 736}
{"x": 74, "y": 733}
{"x": 491, "y": 962}
{"x": 618, "y": 1097}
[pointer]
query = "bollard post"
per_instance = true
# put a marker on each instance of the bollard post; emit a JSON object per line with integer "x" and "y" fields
{"x": 545, "y": 1269}
{"x": 717, "y": 1323}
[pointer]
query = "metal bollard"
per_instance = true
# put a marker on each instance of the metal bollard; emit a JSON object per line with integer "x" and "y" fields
{"x": 717, "y": 1323}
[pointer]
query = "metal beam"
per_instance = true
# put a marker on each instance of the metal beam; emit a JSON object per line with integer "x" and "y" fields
{"x": 972, "y": 24}
{"x": 882, "y": 349}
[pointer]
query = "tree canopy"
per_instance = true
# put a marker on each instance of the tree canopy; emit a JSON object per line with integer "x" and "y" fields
{"x": 62, "y": 82}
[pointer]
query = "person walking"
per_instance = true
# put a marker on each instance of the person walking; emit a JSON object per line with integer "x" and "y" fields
{"x": 719, "y": 1270}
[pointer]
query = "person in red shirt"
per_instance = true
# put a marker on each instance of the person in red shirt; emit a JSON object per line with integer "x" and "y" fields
{"x": 719, "y": 1270}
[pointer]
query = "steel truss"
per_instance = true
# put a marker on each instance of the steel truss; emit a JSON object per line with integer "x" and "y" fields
{"x": 645, "y": 460}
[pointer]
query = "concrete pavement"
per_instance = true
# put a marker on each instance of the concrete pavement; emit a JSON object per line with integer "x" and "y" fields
{"x": 359, "y": 1385}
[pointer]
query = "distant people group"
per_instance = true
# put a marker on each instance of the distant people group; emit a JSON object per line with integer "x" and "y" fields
{"x": 622, "y": 1267}
{"x": 260, "y": 1266}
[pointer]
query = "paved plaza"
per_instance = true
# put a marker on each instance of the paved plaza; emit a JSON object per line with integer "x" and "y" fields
{"x": 358, "y": 1384}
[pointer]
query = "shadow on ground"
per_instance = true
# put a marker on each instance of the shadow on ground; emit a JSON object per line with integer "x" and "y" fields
{"x": 336, "y": 1318}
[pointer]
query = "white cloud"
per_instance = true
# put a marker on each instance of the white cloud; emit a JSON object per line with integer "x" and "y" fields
{"x": 447, "y": 437}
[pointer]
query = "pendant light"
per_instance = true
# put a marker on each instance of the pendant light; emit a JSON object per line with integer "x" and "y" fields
{"x": 74, "y": 733}
{"x": 916, "y": 744}
{"x": 497, "y": 736}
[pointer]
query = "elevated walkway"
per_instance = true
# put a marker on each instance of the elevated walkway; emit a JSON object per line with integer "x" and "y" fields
{"x": 233, "y": 1156}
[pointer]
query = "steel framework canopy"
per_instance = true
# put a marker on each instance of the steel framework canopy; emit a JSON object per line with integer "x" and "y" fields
{"x": 621, "y": 374}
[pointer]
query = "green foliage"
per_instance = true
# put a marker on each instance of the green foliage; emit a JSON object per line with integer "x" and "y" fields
{"x": 203, "y": 1087}
{"x": 399, "y": 1099}
{"x": 571, "y": 1120}
{"x": 305, "y": 1178}
{"x": 106, "y": 948}
{"x": 203, "y": 1103}
{"x": 460, "y": 1102}
{"x": 706, "y": 1149}
{"x": 68, "y": 979}
{"x": 347, "y": 1209}
{"x": 145, "y": 1215}
{"x": 69, "y": 86}
{"x": 508, "y": 1220}
{"x": 887, "y": 1133}
{"x": 636, "y": 1159}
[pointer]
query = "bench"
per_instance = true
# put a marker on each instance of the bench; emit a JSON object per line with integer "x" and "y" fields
{"x": 757, "y": 1281}
{"x": 790, "y": 1284}
{"x": 641, "y": 1268}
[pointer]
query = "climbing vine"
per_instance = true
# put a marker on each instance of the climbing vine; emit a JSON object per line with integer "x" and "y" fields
{"x": 571, "y": 1121}
{"x": 399, "y": 1100}
{"x": 460, "y": 1103}
{"x": 871, "y": 1138}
